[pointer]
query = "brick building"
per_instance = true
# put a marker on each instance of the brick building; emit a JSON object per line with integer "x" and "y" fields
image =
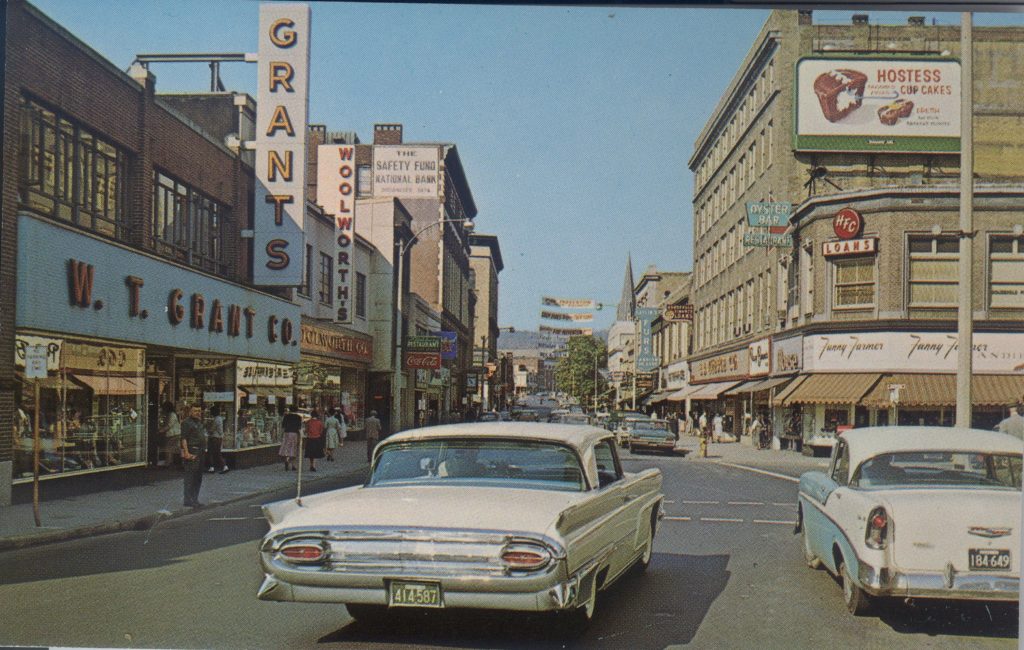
{"x": 771, "y": 317}
{"x": 121, "y": 221}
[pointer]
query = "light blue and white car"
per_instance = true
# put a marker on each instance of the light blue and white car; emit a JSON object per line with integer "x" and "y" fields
{"x": 916, "y": 513}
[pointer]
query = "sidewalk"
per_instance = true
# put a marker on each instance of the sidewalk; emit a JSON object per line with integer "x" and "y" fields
{"x": 138, "y": 508}
{"x": 785, "y": 462}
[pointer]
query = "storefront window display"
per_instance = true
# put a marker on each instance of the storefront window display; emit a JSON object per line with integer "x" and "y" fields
{"x": 265, "y": 390}
{"x": 209, "y": 381}
{"x": 91, "y": 407}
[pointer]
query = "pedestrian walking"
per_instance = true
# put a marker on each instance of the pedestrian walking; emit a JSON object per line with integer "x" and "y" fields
{"x": 215, "y": 441}
{"x": 756, "y": 432}
{"x": 702, "y": 423}
{"x": 717, "y": 425}
{"x": 171, "y": 434}
{"x": 291, "y": 425}
{"x": 314, "y": 439}
{"x": 332, "y": 433}
{"x": 372, "y": 434}
{"x": 1014, "y": 423}
{"x": 193, "y": 448}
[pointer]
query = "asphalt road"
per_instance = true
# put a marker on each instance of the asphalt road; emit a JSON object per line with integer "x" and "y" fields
{"x": 727, "y": 572}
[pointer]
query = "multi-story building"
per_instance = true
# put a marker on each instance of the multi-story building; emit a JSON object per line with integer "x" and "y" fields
{"x": 432, "y": 185}
{"x": 621, "y": 337}
{"x": 121, "y": 242}
{"x": 672, "y": 344}
{"x": 486, "y": 263}
{"x": 857, "y": 126}
{"x": 650, "y": 294}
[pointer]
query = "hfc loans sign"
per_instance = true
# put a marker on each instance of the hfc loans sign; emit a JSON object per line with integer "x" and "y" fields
{"x": 283, "y": 104}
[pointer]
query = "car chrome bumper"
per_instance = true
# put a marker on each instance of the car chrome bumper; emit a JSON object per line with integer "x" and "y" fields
{"x": 951, "y": 585}
{"x": 548, "y": 593}
{"x": 660, "y": 446}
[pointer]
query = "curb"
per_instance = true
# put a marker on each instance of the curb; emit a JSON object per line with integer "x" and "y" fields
{"x": 144, "y": 522}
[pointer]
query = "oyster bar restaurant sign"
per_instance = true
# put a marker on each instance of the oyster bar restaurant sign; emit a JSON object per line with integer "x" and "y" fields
{"x": 863, "y": 104}
{"x": 74, "y": 284}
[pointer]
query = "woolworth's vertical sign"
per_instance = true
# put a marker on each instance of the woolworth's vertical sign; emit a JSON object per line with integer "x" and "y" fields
{"x": 335, "y": 189}
{"x": 283, "y": 104}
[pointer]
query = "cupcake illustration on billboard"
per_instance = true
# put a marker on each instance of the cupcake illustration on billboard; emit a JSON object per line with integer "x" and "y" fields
{"x": 840, "y": 92}
{"x": 892, "y": 113}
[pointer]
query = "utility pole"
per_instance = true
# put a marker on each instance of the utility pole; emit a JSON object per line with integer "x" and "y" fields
{"x": 965, "y": 314}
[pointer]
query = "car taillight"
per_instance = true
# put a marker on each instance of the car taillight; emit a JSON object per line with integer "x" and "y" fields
{"x": 877, "y": 536}
{"x": 525, "y": 558}
{"x": 304, "y": 552}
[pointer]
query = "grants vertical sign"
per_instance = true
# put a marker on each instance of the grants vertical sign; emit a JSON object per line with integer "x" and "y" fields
{"x": 283, "y": 104}
{"x": 335, "y": 183}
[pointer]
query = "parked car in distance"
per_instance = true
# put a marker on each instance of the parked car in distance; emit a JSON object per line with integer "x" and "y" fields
{"x": 916, "y": 512}
{"x": 506, "y": 516}
{"x": 625, "y": 425}
{"x": 572, "y": 418}
{"x": 525, "y": 415}
{"x": 651, "y": 435}
{"x": 488, "y": 416}
{"x": 557, "y": 413}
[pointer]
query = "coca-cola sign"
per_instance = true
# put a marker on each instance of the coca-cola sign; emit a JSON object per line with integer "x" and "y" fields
{"x": 847, "y": 223}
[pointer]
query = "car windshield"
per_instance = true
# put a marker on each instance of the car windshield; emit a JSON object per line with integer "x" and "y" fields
{"x": 940, "y": 469}
{"x": 488, "y": 462}
{"x": 648, "y": 425}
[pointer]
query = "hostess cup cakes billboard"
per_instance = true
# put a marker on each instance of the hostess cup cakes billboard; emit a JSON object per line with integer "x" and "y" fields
{"x": 891, "y": 104}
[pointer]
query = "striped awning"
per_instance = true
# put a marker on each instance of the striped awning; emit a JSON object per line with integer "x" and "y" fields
{"x": 768, "y": 384}
{"x": 831, "y": 388}
{"x": 709, "y": 391}
{"x": 940, "y": 390}
{"x": 679, "y": 395}
{"x": 112, "y": 385}
{"x": 745, "y": 387}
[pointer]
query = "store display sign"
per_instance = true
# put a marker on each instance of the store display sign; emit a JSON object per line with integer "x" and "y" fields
{"x": 328, "y": 342}
{"x": 35, "y": 362}
{"x": 846, "y": 247}
{"x": 646, "y": 360}
{"x": 80, "y": 285}
{"x": 418, "y": 360}
{"x": 406, "y": 171}
{"x": 22, "y": 342}
{"x": 336, "y": 193}
{"x": 769, "y": 214}
{"x": 449, "y": 344}
{"x": 218, "y": 396}
{"x": 731, "y": 365}
{"x": 760, "y": 353}
{"x": 676, "y": 375}
{"x": 903, "y": 104}
{"x": 927, "y": 352}
{"x": 282, "y": 106}
{"x": 251, "y": 373}
{"x": 788, "y": 355}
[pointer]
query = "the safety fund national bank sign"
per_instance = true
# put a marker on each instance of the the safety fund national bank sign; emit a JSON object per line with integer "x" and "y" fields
{"x": 281, "y": 113}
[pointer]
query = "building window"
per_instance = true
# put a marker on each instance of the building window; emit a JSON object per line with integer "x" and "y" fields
{"x": 187, "y": 225}
{"x": 307, "y": 276}
{"x": 360, "y": 295}
{"x": 326, "y": 278}
{"x": 854, "y": 283}
{"x": 1006, "y": 279}
{"x": 71, "y": 174}
{"x": 364, "y": 180}
{"x": 933, "y": 271}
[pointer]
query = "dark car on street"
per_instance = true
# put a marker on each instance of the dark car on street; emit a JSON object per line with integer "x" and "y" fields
{"x": 654, "y": 435}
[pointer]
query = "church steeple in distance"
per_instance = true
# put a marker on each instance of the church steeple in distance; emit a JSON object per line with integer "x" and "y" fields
{"x": 627, "y": 302}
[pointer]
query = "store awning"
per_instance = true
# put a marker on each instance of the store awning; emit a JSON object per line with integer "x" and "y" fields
{"x": 113, "y": 385}
{"x": 832, "y": 388}
{"x": 768, "y": 384}
{"x": 710, "y": 391}
{"x": 940, "y": 390}
{"x": 745, "y": 387}
{"x": 679, "y": 395}
{"x": 782, "y": 395}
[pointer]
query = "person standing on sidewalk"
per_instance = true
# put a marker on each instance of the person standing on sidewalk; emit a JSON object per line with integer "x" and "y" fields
{"x": 193, "y": 448}
{"x": 372, "y": 434}
{"x": 331, "y": 430}
{"x": 291, "y": 424}
{"x": 1014, "y": 424}
{"x": 314, "y": 439}
{"x": 214, "y": 459}
{"x": 171, "y": 434}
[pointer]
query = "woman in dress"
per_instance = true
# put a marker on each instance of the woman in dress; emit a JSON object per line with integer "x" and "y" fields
{"x": 314, "y": 439}
{"x": 332, "y": 427}
{"x": 292, "y": 425}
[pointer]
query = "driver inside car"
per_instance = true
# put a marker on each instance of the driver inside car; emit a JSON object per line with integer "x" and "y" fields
{"x": 462, "y": 462}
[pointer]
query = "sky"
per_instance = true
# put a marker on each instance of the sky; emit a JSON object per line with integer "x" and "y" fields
{"x": 574, "y": 125}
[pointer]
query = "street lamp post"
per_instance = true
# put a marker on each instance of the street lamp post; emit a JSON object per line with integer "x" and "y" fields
{"x": 396, "y": 337}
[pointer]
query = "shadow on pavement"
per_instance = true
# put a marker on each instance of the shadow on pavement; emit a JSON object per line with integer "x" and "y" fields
{"x": 663, "y": 607}
{"x": 950, "y": 618}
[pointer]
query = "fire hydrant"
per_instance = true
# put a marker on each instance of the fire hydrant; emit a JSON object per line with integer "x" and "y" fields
{"x": 704, "y": 446}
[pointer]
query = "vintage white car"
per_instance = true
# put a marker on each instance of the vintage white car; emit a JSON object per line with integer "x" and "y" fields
{"x": 916, "y": 513}
{"x": 498, "y": 515}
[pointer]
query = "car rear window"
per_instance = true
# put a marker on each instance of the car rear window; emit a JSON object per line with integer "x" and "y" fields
{"x": 487, "y": 462}
{"x": 941, "y": 469}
